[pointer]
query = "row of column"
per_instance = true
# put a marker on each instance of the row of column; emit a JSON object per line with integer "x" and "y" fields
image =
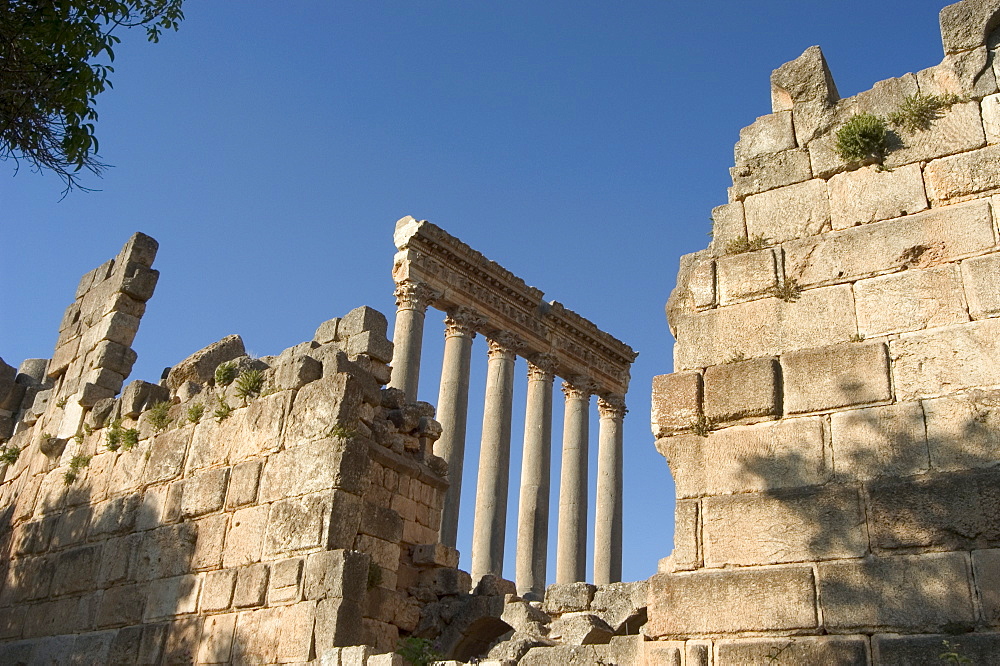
{"x": 489, "y": 527}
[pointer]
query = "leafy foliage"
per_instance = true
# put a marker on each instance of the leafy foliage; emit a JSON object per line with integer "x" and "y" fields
{"x": 225, "y": 373}
{"x": 52, "y": 67}
{"x": 130, "y": 438}
{"x": 115, "y": 435}
{"x": 9, "y": 454}
{"x": 249, "y": 384}
{"x": 918, "y": 111}
{"x": 158, "y": 416}
{"x": 863, "y": 137}
{"x": 788, "y": 290}
{"x": 76, "y": 463}
{"x": 195, "y": 412}
{"x": 741, "y": 245}
{"x": 418, "y": 651}
{"x": 223, "y": 411}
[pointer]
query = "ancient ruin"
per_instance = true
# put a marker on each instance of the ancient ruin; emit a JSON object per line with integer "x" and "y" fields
{"x": 832, "y": 425}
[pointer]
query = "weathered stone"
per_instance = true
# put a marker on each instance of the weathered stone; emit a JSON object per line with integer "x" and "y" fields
{"x": 687, "y": 537}
{"x": 806, "y": 86}
{"x": 321, "y": 405}
{"x": 903, "y": 593}
{"x": 869, "y": 195}
{"x": 958, "y": 129}
{"x": 580, "y": 629}
{"x": 879, "y": 441}
{"x": 166, "y": 551}
{"x": 838, "y": 376}
{"x": 963, "y": 431}
{"x": 246, "y": 536}
{"x": 711, "y": 602}
{"x": 298, "y": 372}
{"x": 794, "y": 525}
{"x": 243, "y": 484}
{"x": 251, "y": 586}
{"x": 297, "y": 524}
{"x": 682, "y": 300}
{"x": 991, "y": 118}
{"x": 701, "y": 284}
{"x": 920, "y": 240}
{"x": 514, "y": 648}
{"x": 746, "y": 275}
{"x": 252, "y": 431}
{"x": 166, "y": 455}
{"x": 200, "y": 366}
{"x": 217, "y": 642}
{"x": 217, "y": 589}
{"x": 909, "y": 301}
{"x": 676, "y": 402}
{"x": 744, "y": 390}
{"x": 931, "y": 363}
{"x": 172, "y": 596}
{"x": 182, "y": 640}
{"x": 965, "y": 25}
{"x": 981, "y": 286}
{"x": 986, "y": 572}
{"x": 959, "y": 177}
{"x": 362, "y": 319}
{"x": 316, "y": 465}
{"x": 371, "y": 344}
{"x": 568, "y": 597}
{"x": 926, "y": 650}
{"x": 204, "y": 492}
{"x": 122, "y": 605}
{"x": 772, "y": 133}
{"x": 765, "y": 456}
{"x": 345, "y": 519}
{"x": 767, "y": 172}
{"x": 434, "y": 554}
{"x": 139, "y": 396}
{"x": 728, "y": 225}
{"x": 957, "y": 510}
{"x": 336, "y": 574}
{"x": 789, "y": 212}
{"x": 211, "y": 538}
{"x": 830, "y": 650}
{"x": 327, "y": 331}
{"x": 621, "y": 603}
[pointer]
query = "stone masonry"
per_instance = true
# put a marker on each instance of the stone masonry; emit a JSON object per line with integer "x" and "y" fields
{"x": 831, "y": 423}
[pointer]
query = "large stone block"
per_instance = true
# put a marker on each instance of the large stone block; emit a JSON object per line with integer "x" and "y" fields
{"x": 945, "y": 360}
{"x": 204, "y": 492}
{"x": 920, "y": 240}
{"x": 781, "y": 454}
{"x": 200, "y": 366}
{"x": 981, "y": 286}
{"x": 217, "y": 589}
{"x": 838, "y": 376}
{"x": 765, "y": 327}
{"x": 217, "y": 642}
{"x": 772, "y": 133}
{"x": 955, "y": 510}
{"x": 166, "y": 551}
{"x": 746, "y": 275}
{"x": 767, "y": 172}
{"x": 297, "y": 524}
{"x": 211, "y": 539}
{"x": 251, "y": 586}
{"x": 728, "y": 225}
{"x": 963, "y": 430}
{"x": 250, "y": 432}
{"x": 336, "y": 574}
{"x": 910, "y": 301}
{"x": 926, "y": 650}
{"x": 316, "y": 465}
{"x": 879, "y": 441}
{"x": 166, "y": 455}
{"x": 790, "y": 212}
{"x": 965, "y": 25}
{"x": 779, "y": 598}
{"x": 568, "y": 597}
{"x": 959, "y": 177}
{"x": 687, "y": 553}
{"x": 363, "y": 319}
{"x": 959, "y": 129}
{"x": 321, "y": 405}
{"x": 745, "y": 390}
{"x": 701, "y": 284}
{"x": 986, "y": 572}
{"x": 676, "y": 402}
{"x": 172, "y": 596}
{"x": 792, "y": 651}
{"x": 246, "y": 536}
{"x": 903, "y": 593}
{"x": 869, "y": 195}
{"x": 796, "y": 525}
{"x": 991, "y": 118}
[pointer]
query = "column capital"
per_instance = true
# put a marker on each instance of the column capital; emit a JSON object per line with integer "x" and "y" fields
{"x": 611, "y": 407}
{"x": 413, "y": 295}
{"x": 462, "y": 321}
{"x": 503, "y": 344}
{"x": 542, "y": 367}
{"x": 580, "y": 388}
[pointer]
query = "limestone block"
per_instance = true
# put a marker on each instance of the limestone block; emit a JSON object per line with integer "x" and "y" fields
{"x": 165, "y": 551}
{"x": 945, "y": 360}
{"x": 217, "y": 589}
{"x": 345, "y": 519}
{"x": 893, "y": 650}
{"x": 568, "y": 597}
{"x": 744, "y": 390}
{"x": 991, "y": 118}
{"x": 790, "y": 212}
{"x": 780, "y": 454}
{"x": 986, "y": 572}
{"x": 434, "y": 554}
{"x": 251, "y": 431}
{"x": 580, "y": 629}
{"x": 910, "y": 301}
{"x": 182, "y": 640}
{"x": 372, "y": 344}
{"x": 363, "y": 319}
{"x": 746, "y": 275}
{"x": 285, "y": 580}
{"x": 879, "y": 441}
{"x": 114, "y": 516}
{"x": 687, "y": 536}
{"x": 764, "y": 327}
{"x": 767, "y": 172}
{"x": 298, "y": 372}
{"x": 681, "y": 300}
{"x": 964, "y": 25}
{"x": 105, "y": 379}
{"x": 76, "y": 570}
{"x": 71, "y": 528}
{"x": 172, "y": 596}
{"x": 65, "y": 353}
{"x": 957, "y": 510}
{"x": 117, "y": 327}
{"x": 728, "y": 225}
{"x": 251, "y": 586}
{"x": 166, "y": 455}
{"x": 783, "y": 526}
{"x": 712, "y": 602}
{"x": 297, "y": 524}
{"x": 243, "y": 483}
{"x": 959, "y": 129}
{"x": 217, "y": 642}
{"x": 327, "y": 331}
{"x": 772, "y": 133}
{"x": 618, "y": 603}
{"x": 793, "y": 651}
{"x": 140, "y": 283}
{"x": 869, "y": 195}
{"x": 204, "y": 492}
{"x": 211, "y": 538}
{"x": 981, "y": 286}
{"x": 246, "y": 536}
{"x": 836, "y": 376}
{"x": 139, "y": 396}
{"x": 676, "y": 402}
{"x": 321, "y": 405}
{"x": 971, "y": 73}
{"x": 316, "y": 465}
{"x": 963, "y": 430}
{"x": 902, "y": 593}
{"x": 806, "y": 86}
{"x": 122, "y": 605}
{"x": 920, "y": 240}
{"x": 200, "y": 366}
{"x": 702, "y": 284}
{"x": 960, "y": 177}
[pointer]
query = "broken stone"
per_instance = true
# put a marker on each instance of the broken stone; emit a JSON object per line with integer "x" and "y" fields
{"x": 580, "y": 629}
{"x": 200, "y": 366}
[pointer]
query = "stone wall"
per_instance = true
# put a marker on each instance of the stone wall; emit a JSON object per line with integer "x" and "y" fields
{"x": 832, "y": 423}
{"x": 264, "y": 520}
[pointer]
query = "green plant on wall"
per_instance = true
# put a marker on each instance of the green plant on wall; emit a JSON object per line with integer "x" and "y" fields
{"x": 418, "y": 651}
{"x": 223, "y": 411}
{"x": 158, "y": 416}
{"x": 864, "y": 137}
{"x": 249, "y": 384}
{"x": 225, "y": 373}
{"x": 130, "y": 438}
{"x": 9, "y": 454}
{"x": 76, "y": 463}
{"x": 918, "y": 111}
{"x": 114, "y": 435}
{"x": 741, "y": 245}
{"x": 195, "y": 412}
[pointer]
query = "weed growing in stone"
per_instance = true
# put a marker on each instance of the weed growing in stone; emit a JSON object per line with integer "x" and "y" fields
{"x": 158, "y": 416}
{"x": 741, "y": 245}
{"x": 78, "y": 438}
{"x": 225, "y": 373}
{"x": 701, "y": 426}
{"x": 9, "y": 454}
{"x": 60, "y": 403}
{"x": 46, "y": 436}
{"x": 130, "y": 438}
{"x": 951, "y": 654}
{"x": 341, "y": 432}
{"x": 418, "y": 651}
{"x": 195, "y": 412}
{"x": 114, "y": 435}
{"x": 88, "y": 429}
{"x": 863, "y": 137}
{"x": 857, "y": 337}
{"x": 918, "y": 111}
{"x": 788, "y": 290}
{"x": 76, "y": 463}
{"x": 249, "y": 384}
{"x": 223, "y": 411}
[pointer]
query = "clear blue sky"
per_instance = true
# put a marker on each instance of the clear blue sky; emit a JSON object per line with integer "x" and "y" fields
{"x": 582, "y": 144}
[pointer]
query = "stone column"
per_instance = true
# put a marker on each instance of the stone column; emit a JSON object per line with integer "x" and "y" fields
{"x": 536, "y": 464}
{"x": 571, "y": 547}
{"x": 494, "y": 460}
{"x": 412, "y": 299}
{"x": 452, "y": 414}
{"x": 608, "y": 521}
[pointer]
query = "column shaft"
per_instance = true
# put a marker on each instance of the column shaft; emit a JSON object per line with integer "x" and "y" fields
{"x": 412, "y": 299}
{"x": 494, "y": 464}
{"x": 608, "y": 519}
{"x": 452, "y": 414}
{"x": 571, "y": 548}
{"x": 536, "y": 465}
